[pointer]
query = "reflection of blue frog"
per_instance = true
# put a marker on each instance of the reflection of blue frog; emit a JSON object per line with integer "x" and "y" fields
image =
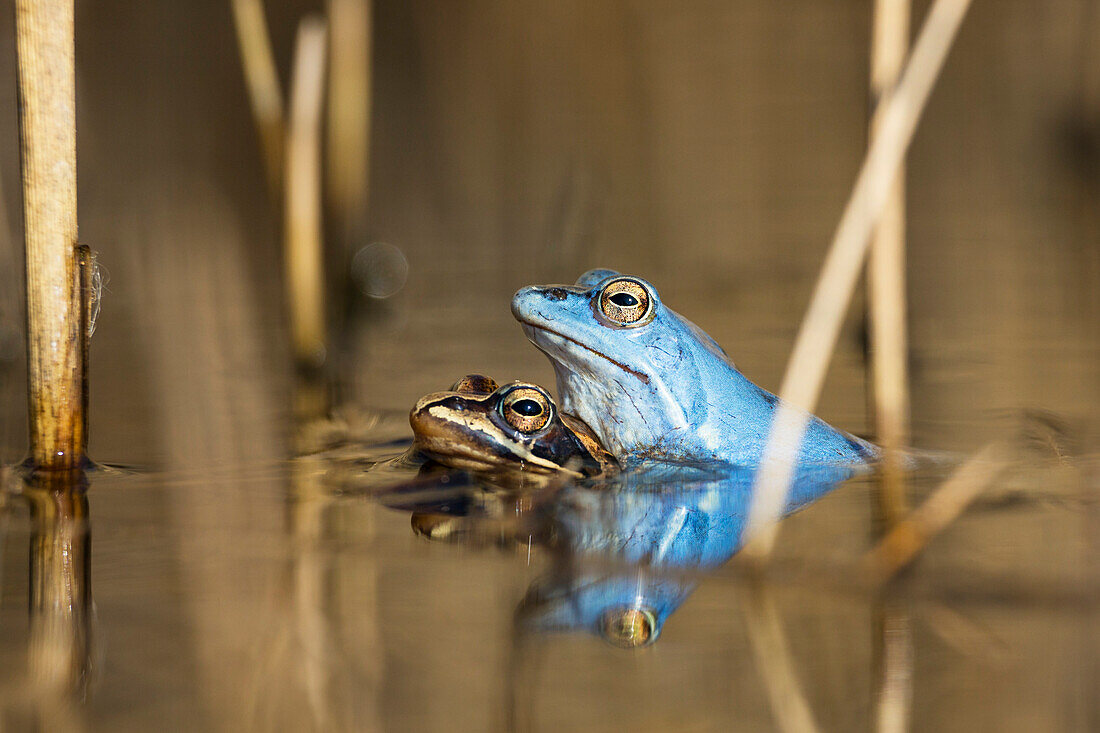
{"x": 627, "y": 552}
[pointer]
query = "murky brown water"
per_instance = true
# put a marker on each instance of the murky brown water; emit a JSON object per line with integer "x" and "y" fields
{"x": 708, "y": 147}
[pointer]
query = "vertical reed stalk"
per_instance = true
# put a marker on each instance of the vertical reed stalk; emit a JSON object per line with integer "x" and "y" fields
{"x": 47, "y": 95}
{"x": 262, "y": 81}
{"x": 303, "y": 232}
{"x": 819, "y": 330}
{"x": 349, "y": 107}
{"x": 886, "y": 274}
{"x": 889, "y": 354}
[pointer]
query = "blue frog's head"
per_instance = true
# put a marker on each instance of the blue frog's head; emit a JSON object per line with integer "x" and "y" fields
{"x": 636, "y": 371}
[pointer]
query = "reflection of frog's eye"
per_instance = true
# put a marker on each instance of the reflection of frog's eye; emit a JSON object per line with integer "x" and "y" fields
{"x": 624, "y": 301}
{"x": 629, "y": 628}
{"x": 526, "y": 409}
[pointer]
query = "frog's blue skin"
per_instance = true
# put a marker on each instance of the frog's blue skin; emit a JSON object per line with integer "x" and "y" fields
{"x": 662, "y": 389}
{"x": 656, "y": 534}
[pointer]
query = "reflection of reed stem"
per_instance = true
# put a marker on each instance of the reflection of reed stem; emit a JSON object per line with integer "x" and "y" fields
{"x": 894, "y": 655}
{"x": 886, "y": 274}
{"x": 262, "y": 81}
{"x": 773, "y": 659}
{"x": 312, "y": 591}
{"x": 902, "y": 544}
{"x": 819, "y": 330}
{"x": 304, "y": 273}
{"x": 60, "y": 585}
{"x": 47, "y": 95}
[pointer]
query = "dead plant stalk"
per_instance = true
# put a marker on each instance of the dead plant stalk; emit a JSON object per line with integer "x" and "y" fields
{"x": 886, "y": 275}
{"x": 262, "y": 81}
{"x": 47, "y": 92}
{"x": 303, "y": 229}
{"x": 818, "y": 333}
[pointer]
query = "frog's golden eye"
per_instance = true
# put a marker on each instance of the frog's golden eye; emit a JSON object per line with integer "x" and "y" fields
{"x": 625, "y": 302}
{"x": 629, "y": 628}
{"x": 526, "y": 409}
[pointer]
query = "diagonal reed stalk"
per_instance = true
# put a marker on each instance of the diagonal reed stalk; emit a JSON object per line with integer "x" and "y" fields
{"x": 818, "y": 334}
{"x": 905, "y": 541}
{"x": 262, "y": 81}
{"x": 47, "y": 96}
{"x": 886, "y": 275}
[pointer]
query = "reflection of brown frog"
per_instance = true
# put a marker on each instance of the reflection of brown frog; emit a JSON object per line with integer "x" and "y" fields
{"x": 513, "y": 433}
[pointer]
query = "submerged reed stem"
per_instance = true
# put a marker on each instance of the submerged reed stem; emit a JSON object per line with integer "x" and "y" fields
{"x": 60, "y": 587}
{"x": 55, "y": 366}
{"x": 886, "y": 275}
{"x": 819, "y": 330}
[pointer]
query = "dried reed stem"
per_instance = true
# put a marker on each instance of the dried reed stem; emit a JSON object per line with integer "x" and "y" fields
{"x": 818, "y": 334}
{"x": 773, "y": 659}
{"x": 47, "y": 94}
{"x": 886, "y": 275}
{"x": 304, "y": 260}
{"x": 262, "y": 80}
{"x": 349, "y": 107}
{"x": 902, "y": 544}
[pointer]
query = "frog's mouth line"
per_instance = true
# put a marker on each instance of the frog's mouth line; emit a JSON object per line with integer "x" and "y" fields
{"x": 642, "y": 377}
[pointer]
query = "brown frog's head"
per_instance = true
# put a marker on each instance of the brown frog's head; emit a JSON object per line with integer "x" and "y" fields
{"x": 478, "y": 425}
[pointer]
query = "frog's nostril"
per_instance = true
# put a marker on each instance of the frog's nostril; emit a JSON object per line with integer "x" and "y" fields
{"x": 555, "y": 293}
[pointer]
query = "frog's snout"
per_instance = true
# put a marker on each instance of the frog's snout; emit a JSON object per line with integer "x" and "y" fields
{"x": 526, "y": 301}
{"x": 523, "y": 301}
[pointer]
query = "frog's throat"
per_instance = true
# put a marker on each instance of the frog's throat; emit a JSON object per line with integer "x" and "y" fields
{"x": 644, "y": 378}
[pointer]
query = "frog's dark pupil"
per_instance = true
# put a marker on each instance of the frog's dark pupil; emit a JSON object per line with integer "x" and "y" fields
{"x": 527, "y": 408}
{"x": 623, "y": 300}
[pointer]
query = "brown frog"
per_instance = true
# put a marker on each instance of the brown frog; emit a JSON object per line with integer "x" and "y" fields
{"x": 479, "y": 425}
{"x": 513, "y": 434}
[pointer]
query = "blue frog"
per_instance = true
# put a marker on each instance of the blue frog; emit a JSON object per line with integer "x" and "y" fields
{"x": 652, "y": 384}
